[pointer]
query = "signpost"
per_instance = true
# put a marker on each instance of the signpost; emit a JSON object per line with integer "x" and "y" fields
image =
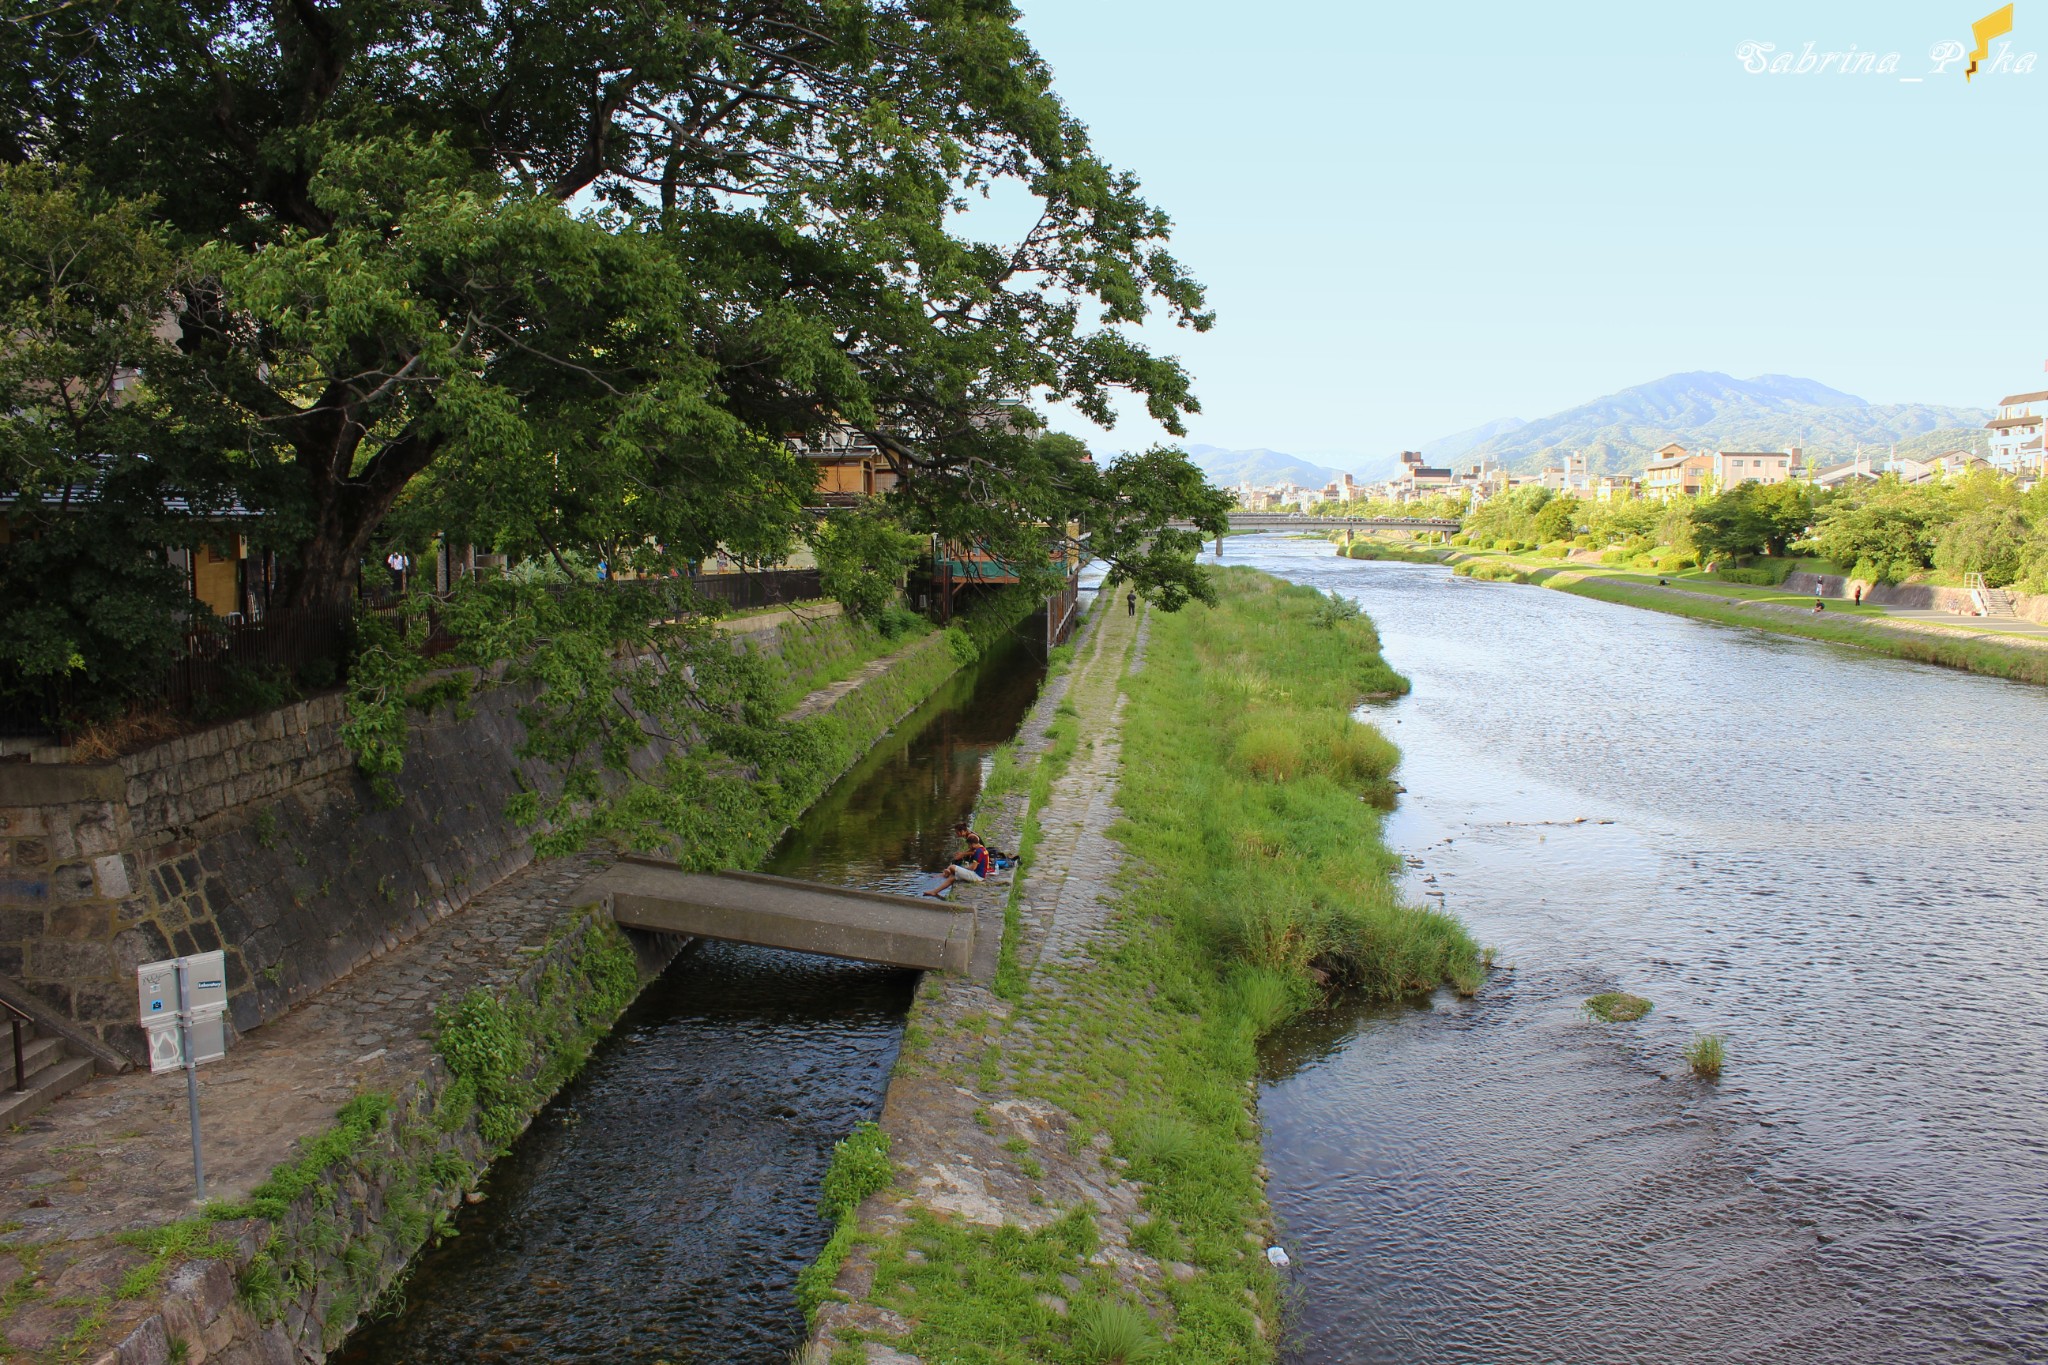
{"x": 184, "y": 1002}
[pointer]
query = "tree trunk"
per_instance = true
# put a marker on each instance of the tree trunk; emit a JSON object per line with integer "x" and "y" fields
{"x": 324, "y": 575}
{"x": 349, "y": 513}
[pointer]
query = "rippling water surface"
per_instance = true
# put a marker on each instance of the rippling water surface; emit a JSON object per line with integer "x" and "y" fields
{"x": 660, "y": 1208}
{"x": 1830, "y": 858}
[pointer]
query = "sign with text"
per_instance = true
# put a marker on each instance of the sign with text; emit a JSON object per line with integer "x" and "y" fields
{"x": 173, "y": 1010}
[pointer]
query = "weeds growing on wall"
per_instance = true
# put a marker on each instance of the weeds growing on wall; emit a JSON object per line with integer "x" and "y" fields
{"x": 510, "y": 1052}
{"x": 659, "y": 735}
{"x": 859, "y": 1168}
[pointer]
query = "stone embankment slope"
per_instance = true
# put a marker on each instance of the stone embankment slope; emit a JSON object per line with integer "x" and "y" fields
{"x": 1020, "y": 1207}
{"x": 87, "y": 1187}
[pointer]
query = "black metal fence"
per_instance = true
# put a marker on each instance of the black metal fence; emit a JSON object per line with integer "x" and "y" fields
{"x": 768, "y": 588}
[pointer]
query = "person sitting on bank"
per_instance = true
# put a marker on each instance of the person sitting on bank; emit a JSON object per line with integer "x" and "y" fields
{"x": 974, "y": 864}
{"x": 967, "y": 837}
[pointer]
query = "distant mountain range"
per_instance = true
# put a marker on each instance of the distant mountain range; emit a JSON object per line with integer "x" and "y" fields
{"x": 1618, "y": 433}
{"x": 1704, "y": 409}
{"x": 1228, "y": 468}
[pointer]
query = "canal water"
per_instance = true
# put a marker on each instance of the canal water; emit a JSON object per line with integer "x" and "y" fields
{"x": 1830, "y": 858}
{"x": 660, "y": 1208}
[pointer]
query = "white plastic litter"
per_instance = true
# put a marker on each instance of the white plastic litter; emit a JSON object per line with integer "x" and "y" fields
{"x": 1277, "y": 1255}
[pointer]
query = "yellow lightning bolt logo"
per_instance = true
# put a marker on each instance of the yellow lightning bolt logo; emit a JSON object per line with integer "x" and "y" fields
{"x": 1996, "y": 24}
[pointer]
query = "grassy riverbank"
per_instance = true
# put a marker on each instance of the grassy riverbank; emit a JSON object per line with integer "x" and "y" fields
{"x": 1768, "y": 608}
{"x": 1405, "y": 552}
{"x": 1101, "y": 1107}
{"x": 1261, "y": 832}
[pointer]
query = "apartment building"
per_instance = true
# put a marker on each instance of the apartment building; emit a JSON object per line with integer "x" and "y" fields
{"x": 2016, "y": 433}
{"x": 1731, "y": 468}
{"x": 1675, "y": 471}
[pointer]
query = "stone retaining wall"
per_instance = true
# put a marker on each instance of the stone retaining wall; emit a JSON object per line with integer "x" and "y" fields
{"x": 258, "y": 837}
{"x": 1913, "y": 596}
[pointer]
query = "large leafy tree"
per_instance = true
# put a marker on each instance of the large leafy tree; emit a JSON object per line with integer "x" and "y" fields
{"x": 1752, "y": 519}
{"x": 84, "y": 451}
{"x": 556, "y": 276}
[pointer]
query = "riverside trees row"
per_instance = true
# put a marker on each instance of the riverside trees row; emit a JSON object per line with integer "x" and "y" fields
{"x": 1881, "y": 531}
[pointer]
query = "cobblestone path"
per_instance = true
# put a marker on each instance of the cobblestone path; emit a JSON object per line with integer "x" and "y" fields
{"x": 1067, "y": 897}
{"x": 116, "y": 1154}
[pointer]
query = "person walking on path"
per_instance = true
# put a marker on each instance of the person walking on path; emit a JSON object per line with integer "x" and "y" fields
{"x": 1859, "y": 594}
{"x": 1130, "y": 604}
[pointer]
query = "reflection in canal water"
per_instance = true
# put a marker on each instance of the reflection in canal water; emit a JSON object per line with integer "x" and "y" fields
{"x": 660, "y": 1208}
{"x": 1828, "y": 857}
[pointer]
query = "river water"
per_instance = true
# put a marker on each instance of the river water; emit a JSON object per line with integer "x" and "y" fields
{"x": 1828, "y": 857}
{"x": 660, "y": 1208}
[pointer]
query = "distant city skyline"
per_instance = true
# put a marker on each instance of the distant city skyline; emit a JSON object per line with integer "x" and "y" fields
{"x": 1409, "y": 229}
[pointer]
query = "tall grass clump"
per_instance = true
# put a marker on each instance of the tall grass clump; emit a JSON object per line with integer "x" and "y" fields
{"x": 1114, "y": 1333}
{"x": 1258, "y": 803}
{"x": 1706, "y": 1053}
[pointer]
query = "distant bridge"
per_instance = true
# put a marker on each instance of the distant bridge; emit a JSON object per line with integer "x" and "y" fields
{"x": 781, "y": 912}
{"x": 1296, "y": 521}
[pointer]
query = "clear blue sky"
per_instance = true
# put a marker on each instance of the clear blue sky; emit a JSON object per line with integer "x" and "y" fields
{"x": 1411, "y": 224}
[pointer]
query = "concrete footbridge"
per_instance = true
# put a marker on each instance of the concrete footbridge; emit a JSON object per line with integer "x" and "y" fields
{"x": 1290, "y": 521}
{"x": 781, "y": 912}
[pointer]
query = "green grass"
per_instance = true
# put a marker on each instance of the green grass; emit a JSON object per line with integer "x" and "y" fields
{"x": 817, "y": 654}
{"x": 1255, "y": 798}
{"x": 1116, "y": 1333}
{"x": 1403, "y": 552}
{"x": 1617, "y": 1007}
{"x": 1705, "y": 1054}
{"x": 1248, "y": 884}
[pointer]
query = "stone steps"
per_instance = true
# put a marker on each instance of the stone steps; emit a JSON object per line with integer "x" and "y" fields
{"x": 50, "y": 1068}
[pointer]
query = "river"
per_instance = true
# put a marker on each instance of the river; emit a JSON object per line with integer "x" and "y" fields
{"x": 1828, "y": 857}
{"x": 660, "y": 1208}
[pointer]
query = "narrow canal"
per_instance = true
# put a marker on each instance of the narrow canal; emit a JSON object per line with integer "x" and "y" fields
{"x": 1831, "y": 858}
{"x": 661, "y": 1207}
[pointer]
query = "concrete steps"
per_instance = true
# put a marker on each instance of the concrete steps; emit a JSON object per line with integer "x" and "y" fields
{"x": 50, "y": 1068}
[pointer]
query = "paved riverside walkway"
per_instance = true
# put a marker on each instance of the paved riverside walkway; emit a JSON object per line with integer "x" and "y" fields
{"x": 953, "y": 1123}
{"x": 116, "y": 1154}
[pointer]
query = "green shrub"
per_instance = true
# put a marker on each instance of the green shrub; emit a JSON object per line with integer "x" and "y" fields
{"x": 895, "y": 621}
{"x": 1115, "y": 1333}
{"x": 1272, "y": 751}
{"x": 1334, "y": 610}
{"x": 1617, "y": 1007}
{"x": 1706, "y": 1053}
{"x": 1756, "y": 577}
{"x": 860, "y": 1167}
